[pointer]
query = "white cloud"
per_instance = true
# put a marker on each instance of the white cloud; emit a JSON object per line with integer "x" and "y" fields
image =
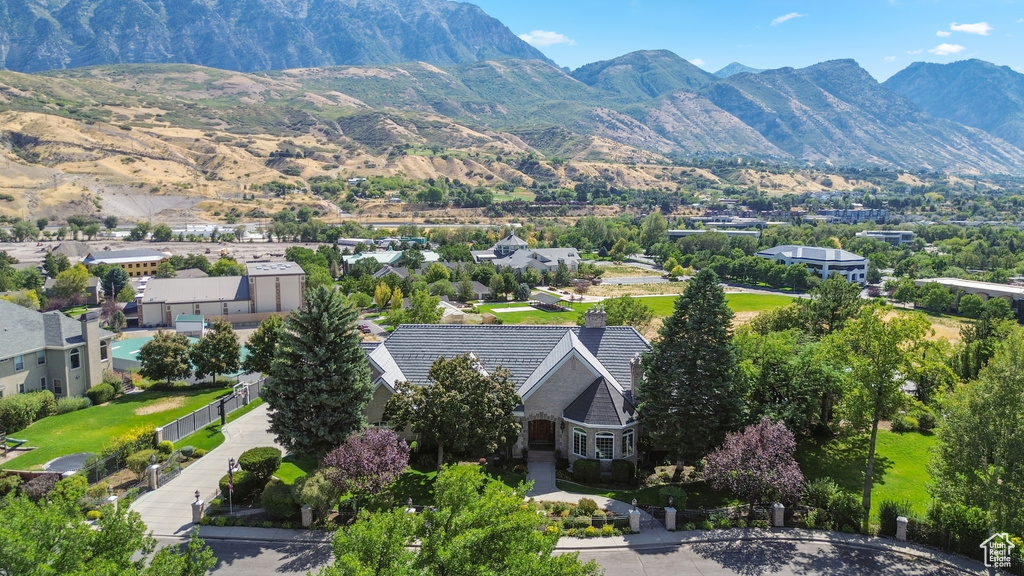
{"x": 981, "y": 28}
{"x": 943, "y": 33}
{"x": 787, "y": 17}
{"x": 890, "y": 58}
{"x": 1020, "y": 21}
{"x": 914, "y": 51}
{"x": 697, "y": 62}
{"x": 947, "y": 49}
{"x": 545, "y": 38}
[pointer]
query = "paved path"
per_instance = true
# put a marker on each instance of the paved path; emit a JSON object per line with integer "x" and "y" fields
{"x": 542, "y": 473}
{"x": 168, "y": 510}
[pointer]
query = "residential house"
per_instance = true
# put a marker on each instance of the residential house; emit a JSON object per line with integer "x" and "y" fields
{"x": 142, "y": 262}
{"x": 513, "y": 252}
{"x": 49, "y": 351}
{"x": 93, "y": 291}
{"x": 824, "y": 262}
{"x": 576, "y": 382}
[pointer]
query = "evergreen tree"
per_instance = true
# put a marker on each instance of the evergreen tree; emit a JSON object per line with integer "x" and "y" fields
{"x": 262, "y": 345}
{"x": 115, "y": 280}
{"x": 217, "y": 352}
{"x": 165, "y": 357}
{"x": 687, "y": 400}
{"x": 320, "y": 378}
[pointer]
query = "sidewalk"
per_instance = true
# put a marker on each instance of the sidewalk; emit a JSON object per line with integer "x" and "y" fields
{"x": 167, "y": 511}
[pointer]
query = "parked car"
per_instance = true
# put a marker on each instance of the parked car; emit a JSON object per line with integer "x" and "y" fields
{"x": 364, "y": 328}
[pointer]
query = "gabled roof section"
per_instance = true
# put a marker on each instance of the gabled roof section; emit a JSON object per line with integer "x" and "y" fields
{"x": 390, "y": 373}
{"x": 811, "y": 253}
{"x": 124, "y": 256}
{"x": 520, "y": 349}
{"x": 601, "y": 404}
{"x": 569, "y": 344}
{"x": 23, "y": 330}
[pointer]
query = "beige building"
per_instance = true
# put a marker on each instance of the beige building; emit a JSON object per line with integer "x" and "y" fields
{"x": 576, "y": 383}
{"x": 50, "y": 352}
{"x": 136, "y": 263}
{"x": 267, "y": 288}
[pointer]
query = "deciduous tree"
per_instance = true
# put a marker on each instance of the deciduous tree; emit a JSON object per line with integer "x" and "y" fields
{"x": 165, "y": 357}
{"x": 262, "y": 345}
{"x": 757, "y": 465}
{"x": 217, "y": 352}
{"x": 463, "y": 408}
{"x": 368, "y": 462}
{"x": 321, "y": 378}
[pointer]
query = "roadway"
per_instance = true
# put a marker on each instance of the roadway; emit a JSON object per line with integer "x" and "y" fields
{"x": 726, "y": 558}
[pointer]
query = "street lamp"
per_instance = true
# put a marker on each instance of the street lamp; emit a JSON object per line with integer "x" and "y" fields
{"x": 197, "y": 495}
{"x": 634, "y": 503}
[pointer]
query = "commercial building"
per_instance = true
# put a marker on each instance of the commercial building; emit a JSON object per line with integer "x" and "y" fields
{"x": 824, "y": 262}
{"x": 894, "y": 237}
{"x": 267, "y": 288}
{"x": 136, "y": 263}
{"x": 856, "y": 215}
{"x": 49, "y": 351}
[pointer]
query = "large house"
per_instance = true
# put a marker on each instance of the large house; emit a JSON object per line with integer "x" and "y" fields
{"x": 576, "y": 382}
{"x": 824, "y": 262}
{"x": 267, "y": 288}
{"x": 136, "y": 263}
{"x": 513, "y": 252}
{"x": 50, "y": 352}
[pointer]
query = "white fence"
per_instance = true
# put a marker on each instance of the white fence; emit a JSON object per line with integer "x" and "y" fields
{"x": 189, "y": 423}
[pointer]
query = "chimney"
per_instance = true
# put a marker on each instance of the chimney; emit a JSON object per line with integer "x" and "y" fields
{"x": 596, "y": 317}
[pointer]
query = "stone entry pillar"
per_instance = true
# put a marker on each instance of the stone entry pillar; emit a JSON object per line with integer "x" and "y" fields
{"x": 778, "y": 515}
{"x": 901, "y": 528}
{"x": 670, "y": 518}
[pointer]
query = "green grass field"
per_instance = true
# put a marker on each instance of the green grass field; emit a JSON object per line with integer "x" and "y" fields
{"x": 901, "y": 466}
{"x": 698, "y": 494}
{"x": 662, "y": 305}
{"x": 294, "y": 467}
{"x": 91, "y": 429}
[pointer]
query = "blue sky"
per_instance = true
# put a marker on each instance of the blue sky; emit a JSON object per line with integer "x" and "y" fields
{"x": 884, "y": 36}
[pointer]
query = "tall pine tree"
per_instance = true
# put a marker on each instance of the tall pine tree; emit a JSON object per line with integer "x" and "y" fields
{"x": 688, "y": 400}
{"x": 320, "y": 379}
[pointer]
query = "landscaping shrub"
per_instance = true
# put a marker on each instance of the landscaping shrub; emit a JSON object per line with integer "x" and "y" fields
{"x": 115, "y": 380}
{"x": 317, "y": 492}
{"x": 926, "y": 420}
{"x": 166, "y": 447}
{"x": 93, "y": 515}
{"x": 8, "y": 483}
{"x": 66, "y": 405}
{"x": 819, "y": 493}
{"x": 676, "y": 492}
{"x": 130, "y": 442}
{"x": 199, "y": 453}
{"x": 247, "y": 485}
{"x": 587, "y": 471}
{"x": 904, "y": 423}
{"x": 188, "y": 451}
{"x": 888, "y": 511}
{"x": 100, "y": 393}
{"x": 623, "y": 472}
{"x": 37, "y": 488}
{"x": 139, "y": 461}
{"x": 21, "y": 410}
{"x": 278, "y": 501}
{"x": 845, "y": 511}
{"x": 261, "y": 462}
{"x": 957, "y": 528}
{"x": 586, "y": 507}
{"x": 582, "y": 522}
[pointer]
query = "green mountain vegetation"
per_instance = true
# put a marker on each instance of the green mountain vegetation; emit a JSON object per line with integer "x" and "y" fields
{"x": 643, "y": 75}
{"x": 250, "y": 34}
{"x": 972, "y": 92}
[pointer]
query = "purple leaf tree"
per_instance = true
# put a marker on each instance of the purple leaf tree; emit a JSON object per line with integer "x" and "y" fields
{"x": 757, "y": 464}
{"x": 368, "y": 462}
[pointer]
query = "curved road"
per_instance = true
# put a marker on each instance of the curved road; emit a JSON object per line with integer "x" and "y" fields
{"x": 740, "y": 558}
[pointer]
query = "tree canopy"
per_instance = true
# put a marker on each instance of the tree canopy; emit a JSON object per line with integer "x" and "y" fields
{"x": 262, "y": 345}
{"x": 320, "y": 376}
{"x": 165, "y": 357}
{"x": 217, "y": 352}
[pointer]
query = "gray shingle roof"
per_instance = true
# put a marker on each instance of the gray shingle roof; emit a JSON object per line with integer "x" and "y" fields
{"x": 212, "y": 289}
{"x": 520, "y": 349}
{"x": 811, "y": 253}
{"x": 122, "y": 256}
{"x": 23, "y": 330}
{"x": 601, "y": 404}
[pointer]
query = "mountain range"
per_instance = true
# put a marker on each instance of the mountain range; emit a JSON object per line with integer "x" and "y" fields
{"x": 384, "y": 73}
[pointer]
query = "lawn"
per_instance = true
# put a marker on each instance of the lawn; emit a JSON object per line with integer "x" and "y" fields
{"x": 295, "y": 467}
{"x": 210, "y": 436}
{"x": 901, "y": 466}
{"x": 91, "y": 429}
{"x": 698, "y": 494}
{"x": 662, "y": 305}
{"x": 417, "y": 483}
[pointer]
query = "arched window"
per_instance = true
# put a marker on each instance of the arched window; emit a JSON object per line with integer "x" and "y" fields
{"x": 627, "y": 443}
{"x": 579, "y": 442}
{"x": 605, "y": 444}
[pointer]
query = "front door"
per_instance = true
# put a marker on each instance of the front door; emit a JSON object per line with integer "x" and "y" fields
{"x": 542, "y": 435}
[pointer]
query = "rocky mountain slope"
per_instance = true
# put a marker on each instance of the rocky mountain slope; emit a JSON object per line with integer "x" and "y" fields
{"x": 971, "y": 92}
{"x": 250, "y": 35}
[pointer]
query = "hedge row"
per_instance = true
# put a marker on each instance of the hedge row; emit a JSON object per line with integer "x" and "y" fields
{"x": 21, "y": 410}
